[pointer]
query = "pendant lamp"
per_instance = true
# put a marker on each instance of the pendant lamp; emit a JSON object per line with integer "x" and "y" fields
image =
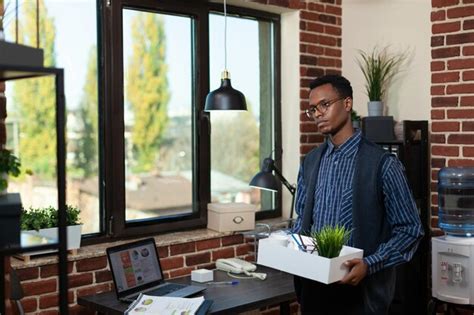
{"x": 225, "y": 97}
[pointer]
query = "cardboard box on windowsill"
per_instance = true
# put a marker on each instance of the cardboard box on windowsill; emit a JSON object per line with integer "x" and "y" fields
{"x": 290, "y": 259}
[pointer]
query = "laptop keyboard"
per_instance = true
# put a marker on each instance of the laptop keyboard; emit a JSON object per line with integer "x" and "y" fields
{"x": 165, "y": 289}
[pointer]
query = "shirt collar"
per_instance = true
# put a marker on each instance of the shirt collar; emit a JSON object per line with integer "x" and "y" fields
{"x": 348, "y": 148}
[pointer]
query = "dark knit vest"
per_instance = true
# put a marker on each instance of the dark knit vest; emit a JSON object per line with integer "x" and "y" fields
{"x": 369, "y": 221}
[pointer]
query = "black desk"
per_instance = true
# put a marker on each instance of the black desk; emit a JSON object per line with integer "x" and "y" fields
{"x": 228, "y": 299}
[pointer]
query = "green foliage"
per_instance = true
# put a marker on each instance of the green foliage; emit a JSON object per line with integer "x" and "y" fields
{"x": 86, "y": 163}
{"x": 329, "y": 241}
{"x": 379, "y": 67}
{"x": 43, "y": 218}
{"x": 34, "y": 99}
{"x": 9, "y": 164}
{"x": 147, "y": 89}
{"x": 354, "y": 116}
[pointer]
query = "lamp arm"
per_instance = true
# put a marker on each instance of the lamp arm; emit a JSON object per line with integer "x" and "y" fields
{"x": 282, "y": 178}
{"x": 291, "y": 188}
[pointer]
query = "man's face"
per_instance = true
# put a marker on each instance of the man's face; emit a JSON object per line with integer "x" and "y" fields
{"x": 332, "y": 111}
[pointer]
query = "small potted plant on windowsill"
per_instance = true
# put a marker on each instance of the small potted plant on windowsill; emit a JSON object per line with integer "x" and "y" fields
{"x": 9, "y": 166}
{"x": 44, "y": 222}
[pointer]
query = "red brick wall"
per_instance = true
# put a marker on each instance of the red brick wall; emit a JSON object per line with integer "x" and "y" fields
{"x": 320, "y": 53}
{"x": 91, "y": 275}
{"x": 452, "y": 89}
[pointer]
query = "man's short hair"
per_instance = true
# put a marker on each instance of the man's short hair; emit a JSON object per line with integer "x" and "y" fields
{"x": 338, "y": 82}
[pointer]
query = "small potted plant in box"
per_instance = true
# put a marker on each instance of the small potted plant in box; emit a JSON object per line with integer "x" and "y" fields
{"x": 9, "y": 166}
{"x": 329, "y": 240}
{"x": 44, "y": 222}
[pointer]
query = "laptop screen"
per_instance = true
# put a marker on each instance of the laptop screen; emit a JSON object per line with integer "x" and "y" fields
{"x": 134, "y": 265}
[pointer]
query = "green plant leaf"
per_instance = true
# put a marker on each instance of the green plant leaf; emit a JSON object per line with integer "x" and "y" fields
{"x": 329, "y": 240}
{"x": 47, "y": 217}
{"x": 379, "y": 67}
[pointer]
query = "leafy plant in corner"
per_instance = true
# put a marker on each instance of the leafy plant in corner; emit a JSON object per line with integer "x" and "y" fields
{"x": 329, "y": 240}
{"x": 44, "y": 218}
{"x": 379, "y": 67}
{"x": 10, "y": 165}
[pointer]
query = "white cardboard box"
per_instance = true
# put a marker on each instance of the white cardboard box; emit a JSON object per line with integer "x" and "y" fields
{"x": 303, "y": 264}
{"x": 225, "y": 217}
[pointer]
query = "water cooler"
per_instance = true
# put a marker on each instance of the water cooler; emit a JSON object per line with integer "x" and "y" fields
{"x": 453, "y": 253}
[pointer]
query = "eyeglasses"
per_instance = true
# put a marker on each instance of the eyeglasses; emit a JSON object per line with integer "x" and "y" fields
{"x": 321, "y": 107}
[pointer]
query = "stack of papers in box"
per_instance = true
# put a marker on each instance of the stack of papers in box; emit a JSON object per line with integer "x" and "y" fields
{"x": 152, "y": 305}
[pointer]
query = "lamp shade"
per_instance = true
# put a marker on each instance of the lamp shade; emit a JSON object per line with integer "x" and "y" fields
{"x": 225, "y": 97}
{"x": 265, "y": 179}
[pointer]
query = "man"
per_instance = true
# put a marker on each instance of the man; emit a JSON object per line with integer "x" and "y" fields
{"x": 351, "y": 182}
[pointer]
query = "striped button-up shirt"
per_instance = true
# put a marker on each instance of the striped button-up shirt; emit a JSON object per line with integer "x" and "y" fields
{"x": 333, "y": 202}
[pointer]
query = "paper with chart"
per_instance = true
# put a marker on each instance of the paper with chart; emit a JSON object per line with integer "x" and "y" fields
{"x": 147, "y": 304}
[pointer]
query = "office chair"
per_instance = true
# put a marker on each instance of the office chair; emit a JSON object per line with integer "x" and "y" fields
{"x": 16, "y": 291}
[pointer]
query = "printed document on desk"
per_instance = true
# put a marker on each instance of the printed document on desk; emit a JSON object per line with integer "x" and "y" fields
{"x": 147, "y": 305}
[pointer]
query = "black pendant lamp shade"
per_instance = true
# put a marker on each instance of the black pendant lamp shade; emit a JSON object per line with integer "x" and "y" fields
{"x": 225, "y": 97}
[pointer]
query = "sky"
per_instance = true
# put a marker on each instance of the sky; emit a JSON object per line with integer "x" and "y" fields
{"x": 76, "y": 34}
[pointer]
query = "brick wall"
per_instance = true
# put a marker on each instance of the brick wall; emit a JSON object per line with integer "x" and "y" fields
{"x": 91, "y": 275}
{"x": 320, "y": 53}
{"x": 452, "y": 90}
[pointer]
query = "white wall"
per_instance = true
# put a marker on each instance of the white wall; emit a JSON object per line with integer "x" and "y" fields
{"x": 290, "y": 102}
{"x": 402, "y": 24}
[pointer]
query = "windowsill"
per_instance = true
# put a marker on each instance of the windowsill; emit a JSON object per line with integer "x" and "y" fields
{"x": 97, "y": 250}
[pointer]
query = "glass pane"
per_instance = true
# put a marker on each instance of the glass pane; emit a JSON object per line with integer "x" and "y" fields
{"x": 240, "y": 140}
{"x": 157, "y": 114}
{"x": 31, "y": 106}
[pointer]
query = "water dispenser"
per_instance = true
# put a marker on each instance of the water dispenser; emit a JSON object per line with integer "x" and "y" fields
{"x": 453, "y": 254}
{"x": 456, "y": 200}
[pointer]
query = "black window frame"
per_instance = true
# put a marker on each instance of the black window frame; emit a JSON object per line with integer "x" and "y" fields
{"x": 111, "y": 146}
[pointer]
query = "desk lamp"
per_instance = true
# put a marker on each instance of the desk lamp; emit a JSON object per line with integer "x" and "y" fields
{"x": 266, "y": 180}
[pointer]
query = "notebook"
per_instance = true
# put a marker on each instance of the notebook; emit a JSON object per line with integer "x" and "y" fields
{"x": 136, "y": 269}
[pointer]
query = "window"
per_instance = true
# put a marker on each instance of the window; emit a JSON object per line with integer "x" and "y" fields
{"x": 141, "y": 157}
{"x": 70, "y": 42}
{"x": 240, "y": 140}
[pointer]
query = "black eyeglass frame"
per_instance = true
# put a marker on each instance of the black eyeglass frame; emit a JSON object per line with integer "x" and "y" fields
{"x": 321, "y": 107}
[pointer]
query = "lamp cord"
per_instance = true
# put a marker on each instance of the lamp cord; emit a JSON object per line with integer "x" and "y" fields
{"x": 225, "y": 35}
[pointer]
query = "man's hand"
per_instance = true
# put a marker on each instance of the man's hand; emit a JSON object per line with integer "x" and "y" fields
{"x": 357, "y": 271}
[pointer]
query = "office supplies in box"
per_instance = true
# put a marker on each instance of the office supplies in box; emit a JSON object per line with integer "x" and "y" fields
{"x": 226, "y": 217}
{"x": 292, "y": 259}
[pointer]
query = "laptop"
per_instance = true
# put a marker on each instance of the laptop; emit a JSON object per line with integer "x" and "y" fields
{"x": 136, "y": 269}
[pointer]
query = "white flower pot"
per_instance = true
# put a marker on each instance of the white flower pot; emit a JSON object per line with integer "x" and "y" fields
{"x": 73, "y": 235}
{"x": 375, "y": 108}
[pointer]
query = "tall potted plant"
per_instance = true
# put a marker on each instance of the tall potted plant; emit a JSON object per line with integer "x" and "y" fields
{"x": 379, "y": 67}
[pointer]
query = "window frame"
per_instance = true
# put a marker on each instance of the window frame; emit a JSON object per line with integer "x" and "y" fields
{"x": 111, "y": 118}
